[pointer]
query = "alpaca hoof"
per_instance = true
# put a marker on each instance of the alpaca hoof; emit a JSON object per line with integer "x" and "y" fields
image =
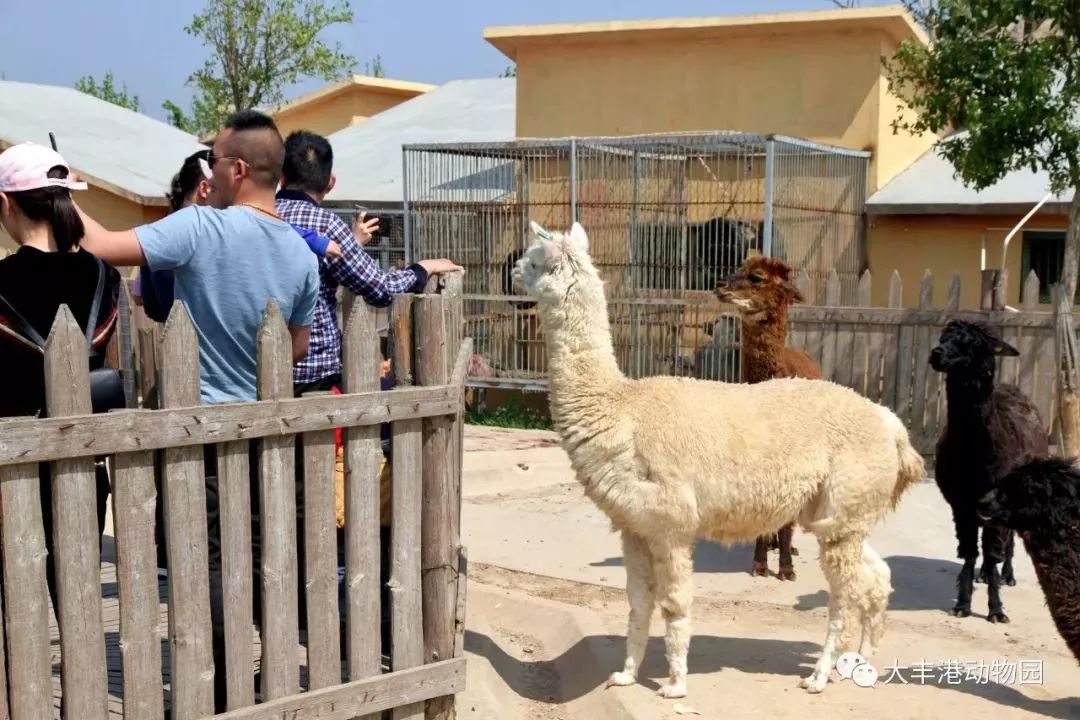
{"x": 760, "y": 570}
{"x": 961, "y": 612}
{"x": 815, "y": 683}
{"x": 794, "y": 551}
{"x": 672, "y": 691}
{"x": 786, "y": 573}
{"x": 1008, "y": 579}
{"x": 981, "y": 578}
{"x": 621, "y": 679}
{"x": 998, "y": 617}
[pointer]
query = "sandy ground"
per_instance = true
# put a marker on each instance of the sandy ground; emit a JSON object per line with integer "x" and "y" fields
{"x": 546, "y": 615}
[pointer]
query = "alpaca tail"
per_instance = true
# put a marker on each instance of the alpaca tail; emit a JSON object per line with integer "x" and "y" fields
{"x": 912, "y": 467}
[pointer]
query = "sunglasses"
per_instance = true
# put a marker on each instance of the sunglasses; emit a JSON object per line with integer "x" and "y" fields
{"x": 213, "y": 159}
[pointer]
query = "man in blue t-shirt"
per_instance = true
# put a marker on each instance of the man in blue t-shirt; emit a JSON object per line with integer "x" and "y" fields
{"x": 227, "y": 265}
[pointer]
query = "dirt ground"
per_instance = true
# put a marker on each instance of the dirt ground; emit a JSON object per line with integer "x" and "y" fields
{"x": 547, "y": 615}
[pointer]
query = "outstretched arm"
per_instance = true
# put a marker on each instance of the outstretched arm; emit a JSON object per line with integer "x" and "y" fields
{"x": 118, "y": 248}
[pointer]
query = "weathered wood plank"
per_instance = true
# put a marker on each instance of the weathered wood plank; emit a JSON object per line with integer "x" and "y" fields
{"x": 191, "y": 652}
{"x": 462, "y": 594}
{"x": 907, "y": 316}
{"x": 363, "y": 454}
{"x": 366, "y": 697}
{"x": 905, "y": 373}
{"x": 407, "y": 632}
{"x": 400, "y": 340}
{"x": 125, "y": 335}
{"x": 320, "y": 561}
{"x": 936, "y": 407}
{"x": 38, "y": 440}
{"x": 1029, "y": 301}
{"x": 860, "y": 368}
{"x": 134, "y": 500}
{"x": 234, "y": 521}
{"x": 920, "y": 390}
{"x": 452, "y": 288}
{"x": 277, "y": 501}
{"x": 84, "y": 675}
{"x": 148, "y": 366}
{"x": 845, "y": 338}
{"x": 27, "y": 610}
{"x": 892, "y": 344}
{"x": 986, "y": 289}
{"x": 441, "y": 536}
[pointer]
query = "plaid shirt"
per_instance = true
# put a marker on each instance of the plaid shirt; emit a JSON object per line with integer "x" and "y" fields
{"x": 354, "y": 269}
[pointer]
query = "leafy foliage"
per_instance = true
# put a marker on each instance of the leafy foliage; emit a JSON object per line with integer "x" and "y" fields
{"x": 375, "y": 67}
{"x": 257, "y": 49}
{"x": 108, "y": 91}
{"x": 510, "y": 71}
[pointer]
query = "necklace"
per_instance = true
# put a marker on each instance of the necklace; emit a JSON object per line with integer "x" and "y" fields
{"x": 259, "y": 209}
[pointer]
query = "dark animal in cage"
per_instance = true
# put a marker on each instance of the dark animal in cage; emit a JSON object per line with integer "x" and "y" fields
{"x": 508, "y": 279}
{"x": 715, "y": 249}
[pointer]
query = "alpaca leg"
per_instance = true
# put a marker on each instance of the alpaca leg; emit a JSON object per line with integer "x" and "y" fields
{"x": 673, "y": 566}
{"x": 842, "y": 562}
{"x": 995, "y": 543}
{"x": 967, "y": 533}
{"x": 1007, "y": 575}
{"x": 787, "y": 567}
{"x": 876, "y": 600}
{"x": 640, "y": 589}
{"x": 761, "y": 557}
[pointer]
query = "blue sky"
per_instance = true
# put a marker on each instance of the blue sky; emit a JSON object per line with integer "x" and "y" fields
{"x": 143, "y": 43}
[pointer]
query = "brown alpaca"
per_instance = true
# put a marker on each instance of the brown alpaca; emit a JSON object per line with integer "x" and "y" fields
{"x": 762, "y": 291}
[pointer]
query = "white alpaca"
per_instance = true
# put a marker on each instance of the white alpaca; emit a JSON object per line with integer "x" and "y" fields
{"x": 671, "y": 460}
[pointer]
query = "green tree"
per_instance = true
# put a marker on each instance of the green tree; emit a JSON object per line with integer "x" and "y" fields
{"x": 258, "y": 48}
{"x": 108, "y": 91}
{"x": 1007, "y": 72}
{"x": 510, "y": 71}
{"x": 375, "y": 67}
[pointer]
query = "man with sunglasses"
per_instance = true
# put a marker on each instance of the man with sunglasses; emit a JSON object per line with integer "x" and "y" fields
{"x": 227, "y": 264}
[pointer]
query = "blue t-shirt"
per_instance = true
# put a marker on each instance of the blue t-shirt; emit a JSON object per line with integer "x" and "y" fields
{"x": 227, "y": 264}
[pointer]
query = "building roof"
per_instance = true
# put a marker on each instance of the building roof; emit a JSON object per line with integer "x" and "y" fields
{"x": 368, "y": 156}
{"x": 929, "y": 186}
{"x": 384, "y": 86}
{"x": 893, "y": 20}
{"x": 121, "y": 151}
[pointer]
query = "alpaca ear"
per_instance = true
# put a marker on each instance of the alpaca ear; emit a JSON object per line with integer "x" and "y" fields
{"x": 578, "y": 236}
{"x": 793, "y": 292}
{"x": 1004, "y": 349}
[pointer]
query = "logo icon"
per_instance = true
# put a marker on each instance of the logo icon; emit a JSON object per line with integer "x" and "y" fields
{"x": 853, "y": 666}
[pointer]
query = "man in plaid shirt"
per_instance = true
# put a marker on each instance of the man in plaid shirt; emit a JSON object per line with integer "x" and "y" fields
{"x": 308, "y": 177}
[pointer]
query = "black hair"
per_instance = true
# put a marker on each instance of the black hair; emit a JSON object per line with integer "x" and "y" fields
{"x": 187, "y": 180}
{"x": 309, "y": 160}
{"x": 54, "y": 206}
{"x": 255, "y": 140}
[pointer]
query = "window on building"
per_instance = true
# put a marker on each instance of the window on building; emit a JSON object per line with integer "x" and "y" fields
{"x": 1044, "y": 252}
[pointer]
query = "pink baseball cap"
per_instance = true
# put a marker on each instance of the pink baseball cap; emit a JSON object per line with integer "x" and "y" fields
{"x": 26, "y": 167}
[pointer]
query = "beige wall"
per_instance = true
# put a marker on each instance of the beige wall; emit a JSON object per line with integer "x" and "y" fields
{"x": 112, "y": 211}
{"x": 335, "y": 112}
{"x": 945, "y": 245}
{"x": 827, "y": 87}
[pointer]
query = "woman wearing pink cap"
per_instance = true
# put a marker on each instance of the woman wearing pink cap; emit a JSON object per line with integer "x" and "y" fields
{"x": 48, "y": 270}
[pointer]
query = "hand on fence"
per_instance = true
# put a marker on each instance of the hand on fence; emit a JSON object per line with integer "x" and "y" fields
{"x": 365, "y": 229}
{"x": 442, "y": 265}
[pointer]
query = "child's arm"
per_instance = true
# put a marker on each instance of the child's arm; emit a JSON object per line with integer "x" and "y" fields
{"x": 319, "y": 244}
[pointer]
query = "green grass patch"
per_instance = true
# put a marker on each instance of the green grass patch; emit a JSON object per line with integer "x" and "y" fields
{"x": 512, "y": 414}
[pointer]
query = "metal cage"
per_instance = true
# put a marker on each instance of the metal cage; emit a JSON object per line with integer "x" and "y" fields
{"x": 667, "y": 216}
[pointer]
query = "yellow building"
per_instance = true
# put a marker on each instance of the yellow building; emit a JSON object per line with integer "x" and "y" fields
{"x": 127, "y": 159}
{"x": 341, "y": 104}
{"x": 814, "y": 75}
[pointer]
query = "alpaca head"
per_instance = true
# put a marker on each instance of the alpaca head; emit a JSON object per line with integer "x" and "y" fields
{"x": 969, "y": 348}
{"x": 761, "y": 286}
{"x": 1040, "y": 493}
{"x": 555, "y": 264}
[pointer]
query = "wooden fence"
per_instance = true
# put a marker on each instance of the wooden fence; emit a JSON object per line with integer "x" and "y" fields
{"x": 427, "y": 576}
{"x": 883, "y": 353}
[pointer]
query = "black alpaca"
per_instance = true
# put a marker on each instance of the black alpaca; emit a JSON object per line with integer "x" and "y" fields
{"x": 989, "y": 430}
{"x": 1041, "y": 501}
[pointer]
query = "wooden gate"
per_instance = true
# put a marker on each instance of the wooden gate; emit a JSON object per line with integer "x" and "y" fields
{"x": 129, "y": 671}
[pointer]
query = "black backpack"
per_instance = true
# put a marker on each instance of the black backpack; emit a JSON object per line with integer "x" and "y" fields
{"x": 106, "y": 385}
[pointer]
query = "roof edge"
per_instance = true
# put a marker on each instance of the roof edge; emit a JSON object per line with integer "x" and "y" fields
{"x": 405, "y": 88}
{"x": 894, "y": 19}
{"x": 1018, "y": 208}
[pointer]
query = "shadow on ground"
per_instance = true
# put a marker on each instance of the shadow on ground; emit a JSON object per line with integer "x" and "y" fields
{"x": 918, "y": 584}
{"x": 578, "y": 671}
{"x": 709, "y": 558}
